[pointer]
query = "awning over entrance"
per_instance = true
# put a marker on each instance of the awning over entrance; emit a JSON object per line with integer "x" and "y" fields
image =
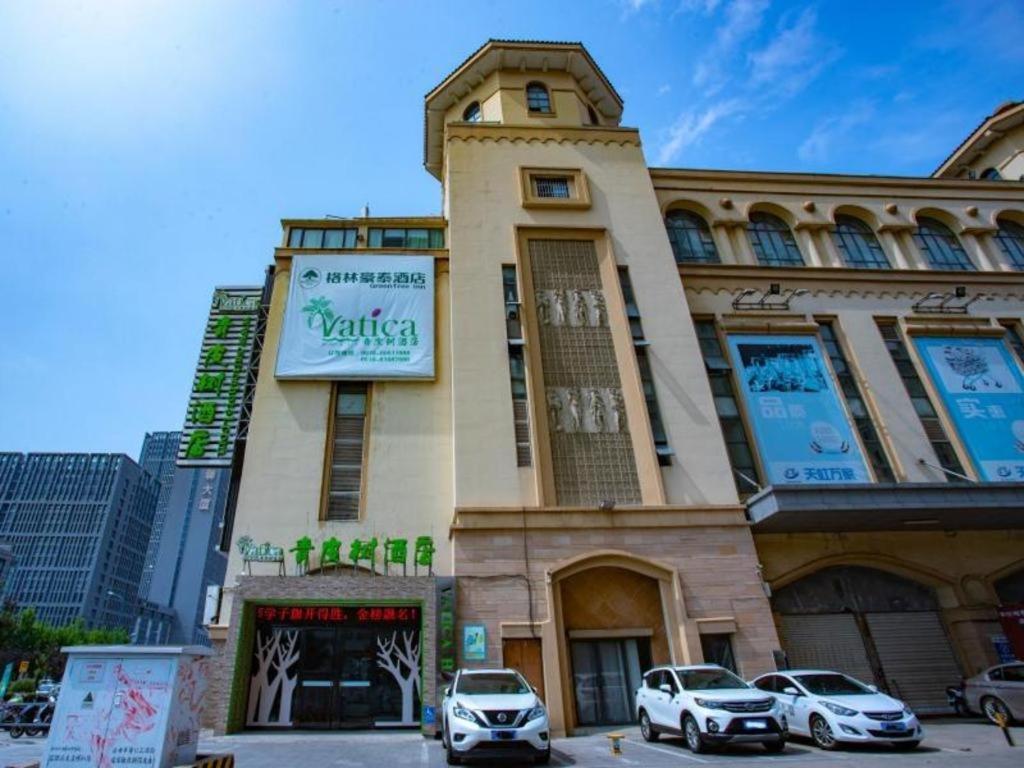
{"x": 887, "y": 507}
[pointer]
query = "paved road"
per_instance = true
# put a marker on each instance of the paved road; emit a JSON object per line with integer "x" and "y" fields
{"x": 949, "y": 744}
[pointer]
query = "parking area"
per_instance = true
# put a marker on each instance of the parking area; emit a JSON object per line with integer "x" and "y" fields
{"x": 948, "y": 743}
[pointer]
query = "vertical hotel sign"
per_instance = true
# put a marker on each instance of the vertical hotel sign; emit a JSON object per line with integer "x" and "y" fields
{"x": 218, "y": 388}
{"x": 981, "y": 387}
{"x": 800, "y": 425}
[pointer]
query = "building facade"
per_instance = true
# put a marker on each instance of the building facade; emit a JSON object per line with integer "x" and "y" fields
{"x": 158, "y": 457}
{"x": 78, "y": 525}
{"x": 675, "y": 416}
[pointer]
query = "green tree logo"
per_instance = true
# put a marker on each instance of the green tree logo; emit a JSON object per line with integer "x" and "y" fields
{"x": 318, "y": 311}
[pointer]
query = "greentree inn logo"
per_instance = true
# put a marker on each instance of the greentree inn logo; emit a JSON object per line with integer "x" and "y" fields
{"x": 310, "y": 278}
{"x": 338, "y": 328}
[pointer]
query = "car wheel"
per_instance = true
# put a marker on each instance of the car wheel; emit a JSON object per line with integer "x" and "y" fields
{"x": 995, "y": 710}
{"x": 694, "y": 738}
{"x": 906, "y": 746}
{"x": 774, "y": 746}
{"x": 453, "y": 759}
{"x": 543, "y": 759}
{"x": 821, "y": 733}
{"x": 646, "y": 729}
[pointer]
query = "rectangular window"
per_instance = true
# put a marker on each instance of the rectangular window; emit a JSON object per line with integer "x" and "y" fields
{"x": 551, "y": 186}
{"x": 661, "y": 446}
{"x": 717, "y": 649}
{"x": 737, "y": 442}
{"x": 856, "y": 404}
{"x": 300, "y": 237}
{"x": 926, "y": 412}
{"x": 398, "y": 237}
{"x": 517, "y": 365}
{"x": 347, "y": 437}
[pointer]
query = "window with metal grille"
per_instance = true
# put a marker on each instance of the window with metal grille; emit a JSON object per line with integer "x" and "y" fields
{"x": 552, "y": 186}
{"x": 926, "y": 412}
{"x": 941, "y": 248}
{"x": 348, "y": 434}
{"x": 691, "y": 238}
{"x": 737, "y": 442}
{"x": 517, "y": 365}
{"x": 855, "y": 402}
{"x": 304, "y": 237}
{"x": 1011, "y": 242}
{"x": 537, "y": 98}
{"x": 858, "y": 244}
{"x": 397, "y": 237}
{"x": 661, "y": 446}
{"x": 773, "y": 241}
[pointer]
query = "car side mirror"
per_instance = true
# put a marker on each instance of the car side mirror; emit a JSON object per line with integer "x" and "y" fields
{"x": 534, "y": 689}
{"x": 791, "y": 691}
{"x": 448, "y": 691}
{"x": 666, "y": 688}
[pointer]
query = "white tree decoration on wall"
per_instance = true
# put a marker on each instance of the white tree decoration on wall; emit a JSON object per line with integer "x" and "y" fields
{"x": 275, "y": 655}
{"x": 392, "y": 658}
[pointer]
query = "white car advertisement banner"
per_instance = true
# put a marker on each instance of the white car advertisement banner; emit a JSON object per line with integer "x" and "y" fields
{"x": 359, "y": 317}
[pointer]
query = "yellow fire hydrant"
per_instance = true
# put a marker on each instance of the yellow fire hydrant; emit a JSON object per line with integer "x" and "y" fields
{"x": 615, "y": 743}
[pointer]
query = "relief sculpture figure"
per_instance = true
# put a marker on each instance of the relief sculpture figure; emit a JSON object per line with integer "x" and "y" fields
{"x": 543, "y": 308}
{"x": 573, "y": 397}
{"x": 554, "y": 410}
{"x": 596, "y": 409}
{"x": 600, "y": 308}
{"x": 580, "y": 311}
{"x": 618, "y": 408}
{"x": 558, "y": 316}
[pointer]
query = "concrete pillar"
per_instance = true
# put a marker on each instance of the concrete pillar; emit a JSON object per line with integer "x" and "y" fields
{"x": 979, "y": 248}
{"x": 741, "y": 245}
{"x": 830, "y": 253}
{"x": 809, "y": 248}
{"x": 726, "y": 252}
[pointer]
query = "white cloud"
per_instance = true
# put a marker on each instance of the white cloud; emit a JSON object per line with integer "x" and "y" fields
{"x": 818, "y": 145}
{"x": 742, "y": 18}
{"x": 664, "y": 88}
{"x": 692, "y": 125}
{"x": 794, "y": 57}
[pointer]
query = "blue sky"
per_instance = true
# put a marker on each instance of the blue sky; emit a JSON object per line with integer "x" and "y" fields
{"x": 148, "y": 150}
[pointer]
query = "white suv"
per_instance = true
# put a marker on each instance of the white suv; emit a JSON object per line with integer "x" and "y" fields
{"x": 491, "y": 713}
{"x": 708, "y": 705}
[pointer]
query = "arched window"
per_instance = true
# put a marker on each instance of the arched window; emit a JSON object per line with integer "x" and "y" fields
{"x": 592, "y": 115}
{"x": 1011, "y": 240}
{"x": 537, "y": 98}
{"x": 773, "y": 241}
{"x": 472, "y": 113}
{"x": 991, "y": 174}
{"x": 940, "y": 246}
{"x": 690, "y": 238}
{"x": 858, "y": 244}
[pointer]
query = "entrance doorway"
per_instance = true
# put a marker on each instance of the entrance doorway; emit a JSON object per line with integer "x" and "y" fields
{"x": 872, "y": 625}
{"x": 523, "y": 654}
{"x": 605, "y": 675}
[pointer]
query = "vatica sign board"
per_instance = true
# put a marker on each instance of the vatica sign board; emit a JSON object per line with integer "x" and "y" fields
{"x": 800, "y": 425}
{"x": 981, "y": 388}
{"x": 359, "y": 317}
{"x": 218, "y": 387}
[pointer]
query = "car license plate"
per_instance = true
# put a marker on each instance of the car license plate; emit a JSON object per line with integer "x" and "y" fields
{"x": 757, "y": 725}
{"x": 893, "y": 727}
{"x": 502, "y": 735}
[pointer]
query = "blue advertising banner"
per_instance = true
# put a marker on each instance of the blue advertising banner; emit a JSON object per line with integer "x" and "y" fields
{"x": 980, "y": 385}
{"x": 800, "y": 426}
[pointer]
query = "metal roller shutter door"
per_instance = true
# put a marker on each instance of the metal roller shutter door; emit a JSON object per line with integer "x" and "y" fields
{"x": 826, "y": 641}
{"x": 916, "y": 657}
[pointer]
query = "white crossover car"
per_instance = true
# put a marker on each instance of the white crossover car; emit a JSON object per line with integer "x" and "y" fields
{"x": 708, "y": 705}
{"x": 491, "y": 713}
{"x": 832, "y": 708}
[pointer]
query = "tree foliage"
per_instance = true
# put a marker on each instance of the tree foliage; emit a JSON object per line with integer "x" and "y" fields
{"x": 24, "y": 637}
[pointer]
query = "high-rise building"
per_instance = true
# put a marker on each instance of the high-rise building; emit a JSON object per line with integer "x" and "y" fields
{"x": 78, "y": 525}
{"x": 648, "y": 415}
{"x": 158, "y": 457}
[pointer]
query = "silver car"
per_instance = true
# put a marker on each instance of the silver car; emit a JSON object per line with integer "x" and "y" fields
{"x": 997, "y": 692}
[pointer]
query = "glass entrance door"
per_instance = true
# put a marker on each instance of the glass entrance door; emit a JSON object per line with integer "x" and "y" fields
{"x": 606, "y": 674}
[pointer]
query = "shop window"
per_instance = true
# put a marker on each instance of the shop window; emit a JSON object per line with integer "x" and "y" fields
{"x": 717, "y": 649}
{"x": 399, "y": 237}
{"x": 305, "y": 237}
{"x": 855, "y": 403}
{"x": 538, "y": 100}
{"x": 346, "y": 444}
{"x": 926, "y": 412}
{"x": 941, "y": 248}
{"x": 691, "y": 238}
{"x": 858, "y": 244}
{"x": 472, "y": 113}
{"x": 517, "y": 365}
{"x": 1011, "y": 242}
{"x": 661, "y": 446}
{"x": 773, "y": 241}
{"x": 737, "y": 442}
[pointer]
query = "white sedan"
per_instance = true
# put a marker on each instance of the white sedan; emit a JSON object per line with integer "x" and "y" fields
{"x": 832, "y": 708}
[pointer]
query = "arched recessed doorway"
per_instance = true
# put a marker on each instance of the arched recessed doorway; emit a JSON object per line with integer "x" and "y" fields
{"x": 873, "y": 625}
